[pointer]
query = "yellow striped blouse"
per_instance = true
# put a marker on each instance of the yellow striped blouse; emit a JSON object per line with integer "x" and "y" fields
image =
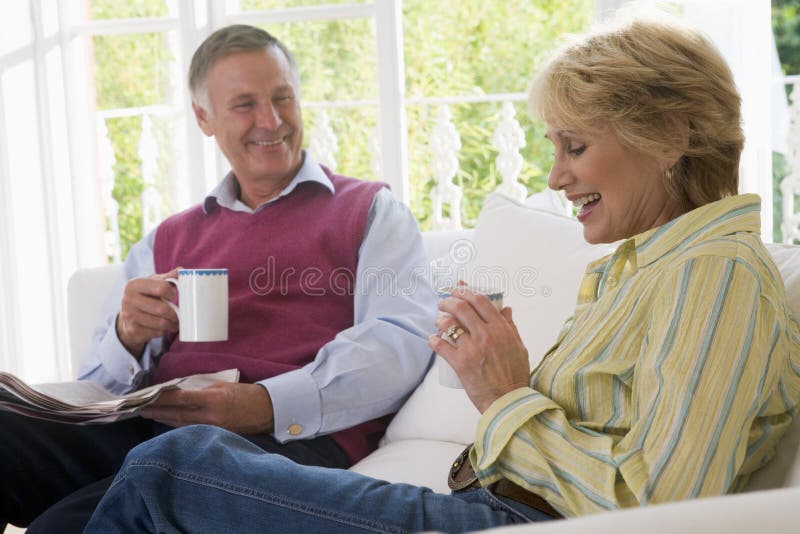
{"x": 675, "y": 377}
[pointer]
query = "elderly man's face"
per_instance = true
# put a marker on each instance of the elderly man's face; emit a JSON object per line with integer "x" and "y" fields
{"x": 253, "y": 111}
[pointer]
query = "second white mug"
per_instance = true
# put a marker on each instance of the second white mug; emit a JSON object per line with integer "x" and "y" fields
{"x": 203, "y": 304}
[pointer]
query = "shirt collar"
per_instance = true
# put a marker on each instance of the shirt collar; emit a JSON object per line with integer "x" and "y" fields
{"x": 226, "y": 193}
{"x": 739, "y": 213}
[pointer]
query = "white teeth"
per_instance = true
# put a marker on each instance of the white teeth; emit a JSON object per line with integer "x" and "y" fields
{"x": 580, "y": 202}
{"x": 267, "y": 143}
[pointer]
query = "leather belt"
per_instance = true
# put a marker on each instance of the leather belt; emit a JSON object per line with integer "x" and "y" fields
{"x": 462, "y": 477}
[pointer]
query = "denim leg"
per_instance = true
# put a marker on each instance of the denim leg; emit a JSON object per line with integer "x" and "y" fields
{"x": 72, "y": 513}
{"x": 203, "y": 479}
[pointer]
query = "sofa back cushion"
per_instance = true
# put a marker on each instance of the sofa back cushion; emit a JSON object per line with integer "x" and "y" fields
{"x": 538, "y": 258}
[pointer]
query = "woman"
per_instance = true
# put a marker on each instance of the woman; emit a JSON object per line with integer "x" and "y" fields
{"x": 673, "y": 379}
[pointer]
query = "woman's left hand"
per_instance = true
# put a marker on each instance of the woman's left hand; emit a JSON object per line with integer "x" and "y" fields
{"x": 489, "y": 356}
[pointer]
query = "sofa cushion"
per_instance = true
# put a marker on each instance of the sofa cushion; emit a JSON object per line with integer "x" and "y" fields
{"x": 784, "y": 469}
{"x": 538, "y": 258}
{"x": 421, "y": 462}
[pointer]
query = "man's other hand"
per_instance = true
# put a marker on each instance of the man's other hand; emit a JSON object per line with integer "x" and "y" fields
{"x": 144, "y": 315}
{"x": 241, "y": 408}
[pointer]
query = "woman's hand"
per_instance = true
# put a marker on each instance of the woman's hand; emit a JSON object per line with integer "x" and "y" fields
{"x": 489, "y": 356}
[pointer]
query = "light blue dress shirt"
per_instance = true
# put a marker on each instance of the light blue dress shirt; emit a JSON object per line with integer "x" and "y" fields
{"x": 366, "y": 371}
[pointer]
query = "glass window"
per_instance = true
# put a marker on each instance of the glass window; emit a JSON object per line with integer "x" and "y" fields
{"x": 26, "y": 189}
{"x": 786, "y": 28}
{"x": 472, "y": 47}
{"x": 337, "y": 61}
{"x": 136, "y": 80}
{"x": 16, "y": 28}
{"x": 125, "y": 9}
{"x": 266, "y": 5}
{"x": 134, "y": 70}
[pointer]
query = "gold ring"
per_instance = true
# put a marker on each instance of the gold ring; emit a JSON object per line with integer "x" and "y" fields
{"x": 454, "y": 332}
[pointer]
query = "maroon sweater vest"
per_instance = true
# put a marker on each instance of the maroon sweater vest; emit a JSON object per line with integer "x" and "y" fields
{"x": 291, "y": 275}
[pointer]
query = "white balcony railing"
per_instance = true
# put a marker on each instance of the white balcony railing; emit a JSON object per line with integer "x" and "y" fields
{"x": 444, "y": 145}
{"x": 148, "y": 152}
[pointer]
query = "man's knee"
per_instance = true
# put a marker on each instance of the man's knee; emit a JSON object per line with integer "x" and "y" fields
{"x": 182, "y": 445}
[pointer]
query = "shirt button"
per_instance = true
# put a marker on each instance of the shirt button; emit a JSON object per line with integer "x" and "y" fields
{"x": 295, "y": 429}
{"x": 131, "y": 370}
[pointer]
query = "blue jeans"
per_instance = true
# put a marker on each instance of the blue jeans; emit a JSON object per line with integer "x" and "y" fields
{"x": 204, "y": 479}
{"x": 52, "y": 475}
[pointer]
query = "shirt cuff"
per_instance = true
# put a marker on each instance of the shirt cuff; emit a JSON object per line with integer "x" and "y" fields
{"x": 118, "y": 362}
{"x": 497, "y": 425}
{"x": 296, "y": 405}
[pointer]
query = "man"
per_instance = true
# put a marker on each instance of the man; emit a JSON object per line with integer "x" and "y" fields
{"x": 324, "y": 350}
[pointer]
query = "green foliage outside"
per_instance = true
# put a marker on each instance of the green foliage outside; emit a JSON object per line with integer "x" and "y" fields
{"x": 451, "y": 48}
{"x": 786, "y": 27}
{"x": 130, "y": 71}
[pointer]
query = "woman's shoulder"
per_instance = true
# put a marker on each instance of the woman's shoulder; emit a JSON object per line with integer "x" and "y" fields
{"x": 742, "y": 252}
{"x": 745, "y": 247}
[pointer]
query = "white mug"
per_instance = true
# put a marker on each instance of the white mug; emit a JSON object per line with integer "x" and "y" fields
{"x": 203, "y": 304}
{"x": 447, "y": 376}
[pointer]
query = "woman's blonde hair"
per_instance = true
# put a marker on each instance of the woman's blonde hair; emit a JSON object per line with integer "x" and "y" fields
{"x": 661, "y": 88}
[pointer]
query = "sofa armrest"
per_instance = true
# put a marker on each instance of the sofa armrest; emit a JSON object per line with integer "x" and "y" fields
{"x": 87, "y": 290}
{"x": 773, "y": 511}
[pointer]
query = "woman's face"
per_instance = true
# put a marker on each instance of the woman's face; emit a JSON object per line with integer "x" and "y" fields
{"x": 618, "y": 192}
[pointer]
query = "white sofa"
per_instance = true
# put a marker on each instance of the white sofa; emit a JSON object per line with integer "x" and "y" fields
{"x": 538, "y": 256}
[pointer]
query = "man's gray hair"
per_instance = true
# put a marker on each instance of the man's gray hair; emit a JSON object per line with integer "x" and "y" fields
{"x": 224, "y": 42}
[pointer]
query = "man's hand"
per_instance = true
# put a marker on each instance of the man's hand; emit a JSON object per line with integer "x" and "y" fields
{"x": 241, "y": 408}
{"x": 143, "y": 315}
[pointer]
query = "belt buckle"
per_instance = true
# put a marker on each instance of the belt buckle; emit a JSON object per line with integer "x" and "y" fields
{"x": 459, "y": 464}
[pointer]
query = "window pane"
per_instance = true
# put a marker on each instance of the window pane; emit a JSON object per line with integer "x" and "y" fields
{"x": 160, "y": 151}
{"x": 472, "y": 47}
{"x": 15, "y": 30}
{"x": 355, "y": 131}
{"x": 49, "y": 17}
{"x": 336, "y": 59}
{"x": 125, "y": 9}
{"x": 134, "y": 70}
{"x": 266, "y": 5}
{"x": 786, "y": 27}
{"x": 27, "y": 212}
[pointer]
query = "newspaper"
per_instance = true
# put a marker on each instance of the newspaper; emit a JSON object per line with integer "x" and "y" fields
{"x": 84, "y": 402}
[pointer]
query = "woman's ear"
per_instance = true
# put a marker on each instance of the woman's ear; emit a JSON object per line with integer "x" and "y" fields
{"x": 676, "y": 126}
